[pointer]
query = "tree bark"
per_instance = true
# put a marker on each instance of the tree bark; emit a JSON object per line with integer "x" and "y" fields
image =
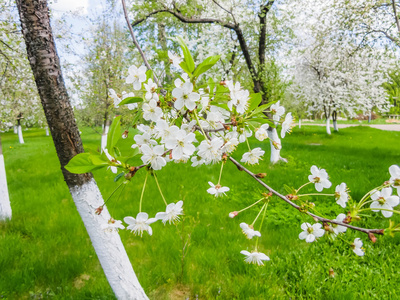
{"x": 334, "y": 119}
{"x": 5, "y": 207}
{"x": 46, "y": 69}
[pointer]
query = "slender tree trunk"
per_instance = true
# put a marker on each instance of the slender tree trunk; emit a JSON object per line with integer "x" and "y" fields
{"x": 299, "y": 122}
{"x": 19, "y": 130}
{"x": 106, "y": 127}
{"x": 334, "y": 119}
{"x": 328, "y": 126}
{"x": 47, "y": 131}
{"x": 5, "y": 207}
{"x": 369, "y": 116}
{"x": 46, "y": 69}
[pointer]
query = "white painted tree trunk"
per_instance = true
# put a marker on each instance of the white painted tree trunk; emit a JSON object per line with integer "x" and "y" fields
{"x": 276, "y": 146}
{"x": 299, "y": 123}
{"x": 328, "y": 126}
{"x": 107, "y": 244}
{"x": 5, "y": 206}
{"x": 335, "y": 125}
{"x": 20, "y": 136}
{"x": 15, "y": 129}
{"x": 104, "y": 138}
{"x": 47, "y": 131}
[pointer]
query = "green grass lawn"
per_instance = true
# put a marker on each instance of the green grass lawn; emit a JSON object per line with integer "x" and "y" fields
{"x": 46, "y": 253}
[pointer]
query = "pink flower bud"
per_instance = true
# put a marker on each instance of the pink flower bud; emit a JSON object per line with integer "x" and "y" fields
{"x": 233, "y": 214}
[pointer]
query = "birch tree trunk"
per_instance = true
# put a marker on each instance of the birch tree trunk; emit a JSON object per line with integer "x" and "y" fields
{"x": 299, "y": 122}
{"x": 5, "y": 207}
{"x": 46, "y": 68}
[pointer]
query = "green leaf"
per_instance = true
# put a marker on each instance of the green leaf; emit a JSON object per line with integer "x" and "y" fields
{"x": 98, "y": 160}
{"x": 186, "y": 54}
{"x": 131, "y": 100}
{"x": 149, "y": 74}
{"x": 119, "y": 176}
{"x": 261, "y": 108}
{"x": 208, "y": 63}
{"x": 136, "y": 117}
{"x": 81, "y": 163}
{"x": 255, "y": 100}
{"x": 263, "y": 121}
{"x": 114, "y": 134}
{"x": 222, "y": 105}
{"x": 185, "y": 68}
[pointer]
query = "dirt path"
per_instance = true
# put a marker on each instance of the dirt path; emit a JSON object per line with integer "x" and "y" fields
{"x": 388, "y": 127}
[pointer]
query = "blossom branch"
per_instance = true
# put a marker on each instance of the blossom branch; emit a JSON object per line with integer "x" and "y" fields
{"x": 324, "y": 220}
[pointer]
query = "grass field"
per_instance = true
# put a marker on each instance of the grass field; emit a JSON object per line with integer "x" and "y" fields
{"x": 45, "y": 252}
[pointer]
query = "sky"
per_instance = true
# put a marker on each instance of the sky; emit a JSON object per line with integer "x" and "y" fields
{"x": 76, "y": 14}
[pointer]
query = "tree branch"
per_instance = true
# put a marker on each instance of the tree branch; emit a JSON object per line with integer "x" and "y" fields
{"x": 364, "y": 230}
{"x": 234, "y": 27}
{"x": 395, "y": 16}
{"x": 137, "y": 44}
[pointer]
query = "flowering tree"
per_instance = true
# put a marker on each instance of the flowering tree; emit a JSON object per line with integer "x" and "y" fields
{"x": 239, "y": 25}
{"x": 18, "y": 96}
{"x": 332, "y": 73}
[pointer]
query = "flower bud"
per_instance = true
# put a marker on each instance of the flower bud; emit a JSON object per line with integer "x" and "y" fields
{"x": 372, "y": 237}
{"x": 261, "y": 175}
{"x": 98, "y": 210}
{"x": 125, "y": 134}
{"x": 331, "y": 273}
{"x": 233, "y": 214}
{"x": 222, "y": 82}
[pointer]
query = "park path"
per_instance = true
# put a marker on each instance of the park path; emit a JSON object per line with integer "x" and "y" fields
{"x": 388, "y": 127}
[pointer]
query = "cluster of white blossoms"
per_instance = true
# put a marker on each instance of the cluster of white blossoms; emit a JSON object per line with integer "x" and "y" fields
{"x": 205, "y": 126}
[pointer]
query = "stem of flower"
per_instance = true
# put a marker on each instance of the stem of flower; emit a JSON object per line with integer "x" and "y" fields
{"x": 162, "y": 196}
{"x": 198, "y": 122}
{"x": 251, "y": 205}
{"x": 316, "y": 194}
{"x": 247, "y": 142}
{"x": 220, "y": 173}
{"x": 113, "y": 193}
{"x": 255, "y": 220}
{"x": 307, "y": 183}
{"x": 262, "y": 221}
{"x": 141, "y": 196}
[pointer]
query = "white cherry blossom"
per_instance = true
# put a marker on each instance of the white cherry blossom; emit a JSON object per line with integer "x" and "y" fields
{"x": 112, "y": 225}
{"x": 394, "y": 171}
{"x": 277, "y": 111}
{"x": 151, "y": 112}
{"x": 357, "y": 247}
{"x": 174, "y": 59}
{"x": 210, "y": 151}
{"x": 217, "y": 190}
{"x": 145, "y": 138}
{"x": 181, "y": 143}
{"x": 253, "y": 156}
{"x": 384, "y": 201}
{"x": 140, "y": 224}
{"x": 136, "y": 76}
{"x": 287, "y": 125}
{"x": 320, "y": 178}
{"x": 185, "y": 97}
{"x": 341, "y": 195}
{"x": 261, "y": 133}
{"x": 179, "y": 83}
{"x": 172, "y": 213}
{"x": 151, "y": 90}
{"x": 249, "y": 231}
{"x": 113, "y": 95}
{"x": 256, "y": 258}
{"x": 153, "y": 156}
{"x": 311, "y": 232}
